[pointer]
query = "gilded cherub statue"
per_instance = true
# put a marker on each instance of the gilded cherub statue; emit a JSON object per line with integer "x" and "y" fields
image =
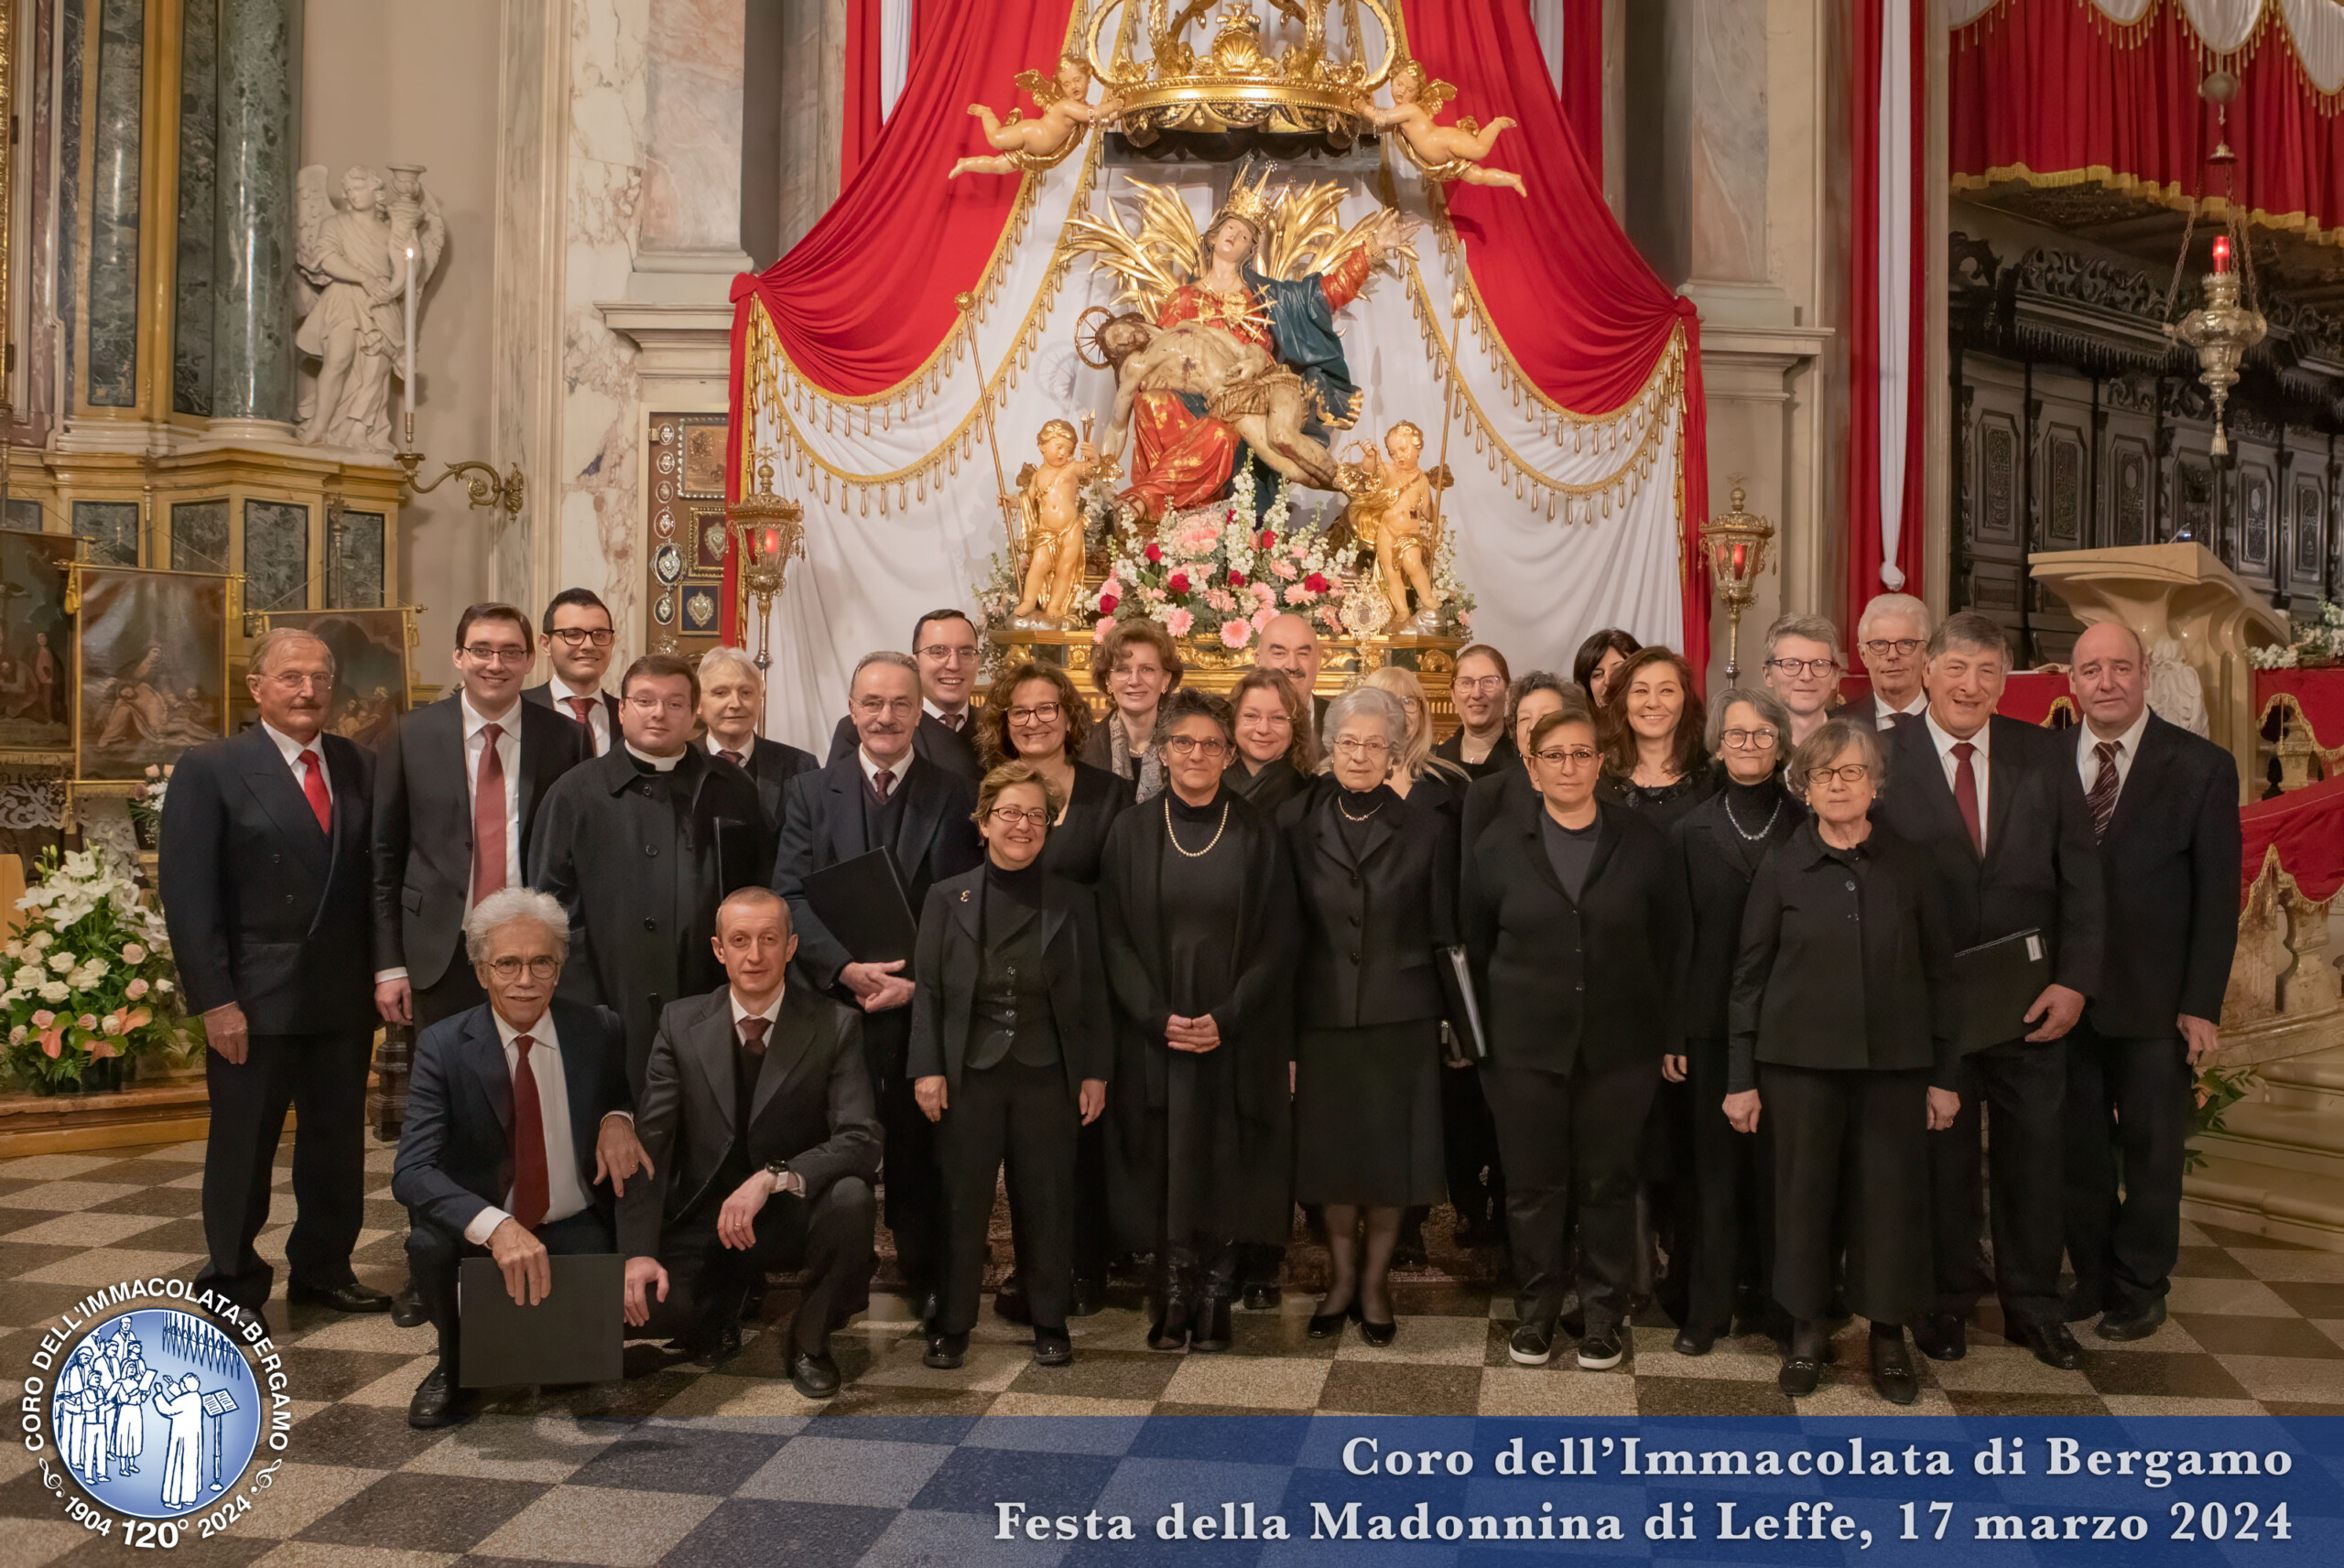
{"x": 1050, "y": 501}
{"x": 1394, "y": 510}
{"x": 1445, "y": 152}
{"x": 1033, "y": 145}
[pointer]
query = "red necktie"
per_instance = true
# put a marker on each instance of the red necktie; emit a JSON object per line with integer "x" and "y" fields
{"x": 313, "y": 784}
{"x": 529, "y": 1180}
{"x": 583, "y": 707}
{"x": 953, "y": 722}
{"x": 1965, "y": 793}
{"x": 488, "y": 817}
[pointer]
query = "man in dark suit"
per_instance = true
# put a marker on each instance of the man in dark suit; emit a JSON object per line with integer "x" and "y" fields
{"x": 1995, "y": 805}
{"x": 517, "y": 1112}
{"x": 1892, "y": 640}
{"x": 883, "y": 796}
{"x": 1289, "y": 645}
{"x": 944, "y": 650}
{"x": 732, "y": 700}
{"x": 579, "y": 640}
{"x": 2164, "y": 807}
{"x": 456, "y": 814}
{"x": 756, "y": 1116}
{"x": 265, "y": 888}
{"x": 640, "y": 847}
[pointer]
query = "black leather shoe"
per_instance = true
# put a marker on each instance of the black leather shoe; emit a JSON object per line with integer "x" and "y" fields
{"x": 1688, "y": 1343}
{"x": 1378, "y": 1334}
{"x": 2053, "y": 1345}
{"x": 1087, "y": 1297}
{"x": 813, "y": 1374}
{"x": 1052, "y": 1347}
{"x": 407, "y": 1308}
{"x": 1799, "y": 1377}
{"x": 1009, "y": 1302}
{"x": 351, "y": 1297}
{"x": 1891, "y": 1370}
{"x": 2135, "y": 1322}
{"x": 1212, "y": 1329}
{"x": 438, "y": 1402}
{"x": 717, "y": 1345}
{"x": 945, "y": 1351}
{"x": 1263, "y": 1298}
{"x": 1942, "y": 1336}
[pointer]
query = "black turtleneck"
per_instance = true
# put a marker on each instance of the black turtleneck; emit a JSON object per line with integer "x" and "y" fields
{"x": 1208, "y": 812}
{"x": 1354, "y": 809}
{"x": 1023, "y": 886}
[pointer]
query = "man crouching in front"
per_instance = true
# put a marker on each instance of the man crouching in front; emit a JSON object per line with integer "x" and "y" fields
{"x": 517, "y": 1112}
{"x": 757, "y": 1119}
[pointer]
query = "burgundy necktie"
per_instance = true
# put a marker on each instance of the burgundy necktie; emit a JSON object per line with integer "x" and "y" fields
{"x": 1965, "y": 793}
{"x": 583, "y": 707}
{"x": 313, "y": 784}
{"x": 883, "y": 780}
{"x": 529, "y": 1180}
{"x": 2102, "y": 798}
{"x": 488, "y": 817}
{"x": 953, "y": 722}
{"x": 728, "y": 755}
{"x": 746, "y": 1062}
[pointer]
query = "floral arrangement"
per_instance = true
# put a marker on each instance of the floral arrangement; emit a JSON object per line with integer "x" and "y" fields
{"x": 2217, "y": 1089}
{"x": 1456, "y": 601}
{"x": 147, "y": 805}
{"x": 1224, "y": 571}
{"x": 88, "y": 978}
{"x": 2320, "y": 641}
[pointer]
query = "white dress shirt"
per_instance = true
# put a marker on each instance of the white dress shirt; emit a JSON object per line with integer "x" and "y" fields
{"x": 792, "y": 1182}
{"x": 747, "y": 748}
{"x": 1945, "y": 741}
{"x": 2129, "y": 745}
{"x": 292, "y": 750}
{"x": 598, "y": 715}
{"x": 895, "y": 771}
{"x": 1885, "y": 717}
{"x": 564, "y": 1197}
{"x": 508, "y": 753}
{"x": 961, "y": 712}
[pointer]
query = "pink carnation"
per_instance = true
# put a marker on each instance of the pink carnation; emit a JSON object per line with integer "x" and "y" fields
{"x": 1098, "y": 633}
{"x": 1218, "y": 598}
{"x": 1236, "y": 633}
{"x": 1263, "y": 592}
{"x": 1285, "y": 569}
{"x": 1178, "y": 622}
{"x": 1465, "y": 619}
{"x": 1263, "y": 616}
{"x": 1297, "y": 594}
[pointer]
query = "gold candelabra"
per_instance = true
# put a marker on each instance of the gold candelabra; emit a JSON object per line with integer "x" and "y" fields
{"x": 767, "y": 532}
{"x": 487, "y": 486}
{"x": 1737, "y": 545}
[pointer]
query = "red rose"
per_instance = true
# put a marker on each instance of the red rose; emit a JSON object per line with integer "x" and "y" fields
{"x": 1269, "y": 541}
{"x": 1176, "y": 583}
{"x": 1154, "y": 552}
{"x": 1236, "y": 579}
{"x": 1315, "y": 583}
{"x": 1107, "y": 602}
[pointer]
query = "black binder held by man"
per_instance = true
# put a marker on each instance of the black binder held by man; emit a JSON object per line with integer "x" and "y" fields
{"x": 862, "y": 901}
{"x": 1993, "y": 985}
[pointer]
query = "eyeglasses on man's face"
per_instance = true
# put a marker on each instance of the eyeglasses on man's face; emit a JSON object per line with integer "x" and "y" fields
{"x": 1021, "y": 816}
{"x": 488, "y": 653}
{"x": 541, "y": 968}
{"x": 294, "y": 680}
{"x": 1804, "y": 666}
{"x": 872, "y": 705}
{"x": 1758, "y": 740}
{"x": 1196, "y": 746}
{"x": 1846, "y": 772}
{"x": 1902, "y": 647}
{"x": 1568, "y": 756}
{"x": 949, "y": 653}
{"x": 647, "y": 705}
{"x": 578, "y": 636}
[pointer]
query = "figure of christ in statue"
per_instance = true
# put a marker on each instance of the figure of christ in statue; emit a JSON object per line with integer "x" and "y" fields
{"x": 1050, "y": 500}
{"x": 1396, "y": 513}
{"x": 1241, "y": 385}
{"x": 1040, "y": 143}
{"x": 1444, "y": 152}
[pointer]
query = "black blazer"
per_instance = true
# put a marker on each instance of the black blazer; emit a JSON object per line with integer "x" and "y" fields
{"x": 1075, "y": 844}
{"x": 1502, "y": 756}
{"x": 1268, "y": 790}
{"x": 1371, "y": 923}
{"x": 542, "y": 695}
{"x": 455, "y": 1153}
{"x": 1843, "y": 962}
{"x": 267, "y": 909}
{"x": 1717, "y": 886}
{"x": 822, "y": 824}
{"x": 952, "y": 954}
{"x": 2171, "y": 860}
{"x": 771, "y": 764}
{"x": 1507, "y": 792}
{"x": 954, "y": 750}
{"x": 2040, "y": 870}
{"x": 812, "y": 1105}
{"x": 423, "y": 827}
{"x": 1560, "y": 982}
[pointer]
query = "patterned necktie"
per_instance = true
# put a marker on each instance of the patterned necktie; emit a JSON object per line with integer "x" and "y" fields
{"x": 583, "y": 707}
{"x": 883, "y": 782}
{"x": 489, "y": 847}
{"x": 529, "y": 1179}
{"x": 313, "y": 784}
{"x": 2102, "y": 798}
{"x": 1965, "y": 793}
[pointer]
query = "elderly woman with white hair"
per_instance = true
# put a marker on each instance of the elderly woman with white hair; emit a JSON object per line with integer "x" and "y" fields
{"x": 732, "y": 704}
{"x": 1377, "y": 876}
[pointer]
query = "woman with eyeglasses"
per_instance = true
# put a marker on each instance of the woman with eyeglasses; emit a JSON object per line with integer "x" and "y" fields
{"x": 1009, "y": 1058}
{"x": 1414, "y": 763}
{"x": 1136, "y": 664}
{"x": 1838, "y": 1038}
{"x": 1720, "y": 843}
{"x": 1377, "y": 877}
{"x": 1529, "y": 700}
{"x": 1480, "y": 744}
{"x": 1573, "y": 915}
{"x": 1276, "y": 750}
{"x": 1198, "y": 911}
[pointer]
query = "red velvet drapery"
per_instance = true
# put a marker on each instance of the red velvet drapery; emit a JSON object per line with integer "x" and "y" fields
{"x": 2307, "y": 828}
{"x": 864, "y": 119}
{"x": 2047, "y": 90}
{"x": 1584, "y": 317}
{"x": 1582, "y": 84}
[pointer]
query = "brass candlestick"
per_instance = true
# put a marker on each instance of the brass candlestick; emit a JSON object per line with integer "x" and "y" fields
{"x": 1737, "y": 545}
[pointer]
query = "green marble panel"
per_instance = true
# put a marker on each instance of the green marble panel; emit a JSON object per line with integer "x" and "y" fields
{"x": 277, "y": 556}
{"x": 199, "y": 154}
{"x": 114, "y": 171}
{"x": 252, "y": 321}
{"x": 24, "y": 514}
{"x": 356, "y": 579}
{"x": 112, "y": 528}
{"x": 200, "y": 536}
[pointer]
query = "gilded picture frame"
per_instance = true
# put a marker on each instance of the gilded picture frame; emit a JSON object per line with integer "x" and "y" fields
{"x": 36, "y": 648}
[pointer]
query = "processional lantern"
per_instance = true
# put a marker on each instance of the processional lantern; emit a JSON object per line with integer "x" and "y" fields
{"x": 767, "y": 532}
{"x": 1737, "y": 545}
{"x": 2223, "y": 329}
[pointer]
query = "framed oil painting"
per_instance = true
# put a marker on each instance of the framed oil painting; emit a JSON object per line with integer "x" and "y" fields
{"x": 370, "y": 667}
{"x": 150, "y": 668}
{"x": 36, "y": 643}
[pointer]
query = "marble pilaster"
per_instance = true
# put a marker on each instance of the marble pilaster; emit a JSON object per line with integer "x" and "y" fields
{"x": 251, "y": 323}
{"x": 355, "y": 571}
{"x": 72, "y": 81}
{"x": 691, "y": 168}
{"x": 198, "y": 163}
{"x": 114, "y": 202}
{"x": 813, "y": 111}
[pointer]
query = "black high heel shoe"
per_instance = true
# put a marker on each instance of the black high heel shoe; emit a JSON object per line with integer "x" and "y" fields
{"x": 1327, "y": 1325}
{"x": 1378, "y": 1334}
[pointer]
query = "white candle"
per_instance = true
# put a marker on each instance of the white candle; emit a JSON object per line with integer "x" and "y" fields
{"x": 408, "y": 387}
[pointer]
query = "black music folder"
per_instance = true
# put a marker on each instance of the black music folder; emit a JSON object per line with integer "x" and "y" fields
{"x": 1994, "y": 984}
{"x": 577, "y": 1335}
{"x": 1464, "y": 1008}
{"x": 862, "y": 900}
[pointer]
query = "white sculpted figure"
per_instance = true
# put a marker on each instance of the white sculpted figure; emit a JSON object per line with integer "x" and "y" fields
{"x": 352, "y": 252}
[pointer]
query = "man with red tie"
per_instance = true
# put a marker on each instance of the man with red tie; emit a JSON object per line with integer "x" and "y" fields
{"x": 517, "y": 1131}
{"x": 265, "y": 886}
{"x": 578, "y": 642}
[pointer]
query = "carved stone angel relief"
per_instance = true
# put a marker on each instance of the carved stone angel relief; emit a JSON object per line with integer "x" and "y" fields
{"x": 351, "y": 256}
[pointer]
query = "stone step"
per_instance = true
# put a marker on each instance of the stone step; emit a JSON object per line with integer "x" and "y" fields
{"x": 2241, "y": 1187}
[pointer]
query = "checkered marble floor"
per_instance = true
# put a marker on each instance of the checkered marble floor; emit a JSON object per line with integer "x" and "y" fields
{"x": 680, "y": 1465}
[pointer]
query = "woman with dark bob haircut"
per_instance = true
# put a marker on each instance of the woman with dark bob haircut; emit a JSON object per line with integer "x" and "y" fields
{"x": 1597, "y": 658}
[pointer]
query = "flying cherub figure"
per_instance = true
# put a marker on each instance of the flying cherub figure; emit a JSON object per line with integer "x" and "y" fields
{"x": 1262, "y": 401}
{"x": 1445, "y": 152}
{"x": 1033, "y": 145}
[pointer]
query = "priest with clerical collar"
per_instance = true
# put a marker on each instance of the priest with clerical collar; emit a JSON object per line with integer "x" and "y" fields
{"x": 641, "y": 846}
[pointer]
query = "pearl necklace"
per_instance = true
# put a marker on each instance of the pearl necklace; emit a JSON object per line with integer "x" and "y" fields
{"x": 1193, "y": 854}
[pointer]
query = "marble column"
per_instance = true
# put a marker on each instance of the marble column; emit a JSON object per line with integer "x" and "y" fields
{"x": 119, "y": 71}
{"x": 813, "y": 111}
{"x": 253, "y": 379}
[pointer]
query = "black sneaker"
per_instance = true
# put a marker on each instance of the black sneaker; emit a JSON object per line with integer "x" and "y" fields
{"x": 1600, "y": 1350}
{"x": 1533, "y": 1343}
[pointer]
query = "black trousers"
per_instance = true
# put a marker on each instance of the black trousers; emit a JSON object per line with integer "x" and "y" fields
{"x": 456, "y": 991}
{"x": 1855, "y": 1142}
{"x": 323, "y": 1078}
{"x": 913, "y": 1185}
{"x": 1021, "y": 1114}
{"x": 1726, "y": 1230}
{"x": 2128, "y": 1110}
{"x": 2026, "y": 1087}
{"x": 1561, "y": 1133}
{"x": 433, "y": 1251}
{"x": 830, "y": 1239}
{"x": 1470, "y": 1146}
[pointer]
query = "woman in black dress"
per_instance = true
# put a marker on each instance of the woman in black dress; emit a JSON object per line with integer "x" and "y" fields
{"x": 1275, "y": 751}
{"x": 1376, "y": 874}
{"x": 1197, "y": 909}
{"x": 1840, "y": 1035}
{"x": 1009, "y": 1051}
{"x": 1721, "y": 842}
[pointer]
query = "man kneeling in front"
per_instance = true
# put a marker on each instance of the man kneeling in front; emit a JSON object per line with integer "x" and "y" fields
{"x": 516, "y": 1113}
{"x": 757, "y": 1119}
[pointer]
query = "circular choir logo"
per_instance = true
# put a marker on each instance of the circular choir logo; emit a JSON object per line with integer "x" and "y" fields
{"x": 154, "y": 1415}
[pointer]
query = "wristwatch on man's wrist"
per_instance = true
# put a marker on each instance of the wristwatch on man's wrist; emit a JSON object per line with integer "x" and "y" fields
{"x": 779, "y": 1171}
